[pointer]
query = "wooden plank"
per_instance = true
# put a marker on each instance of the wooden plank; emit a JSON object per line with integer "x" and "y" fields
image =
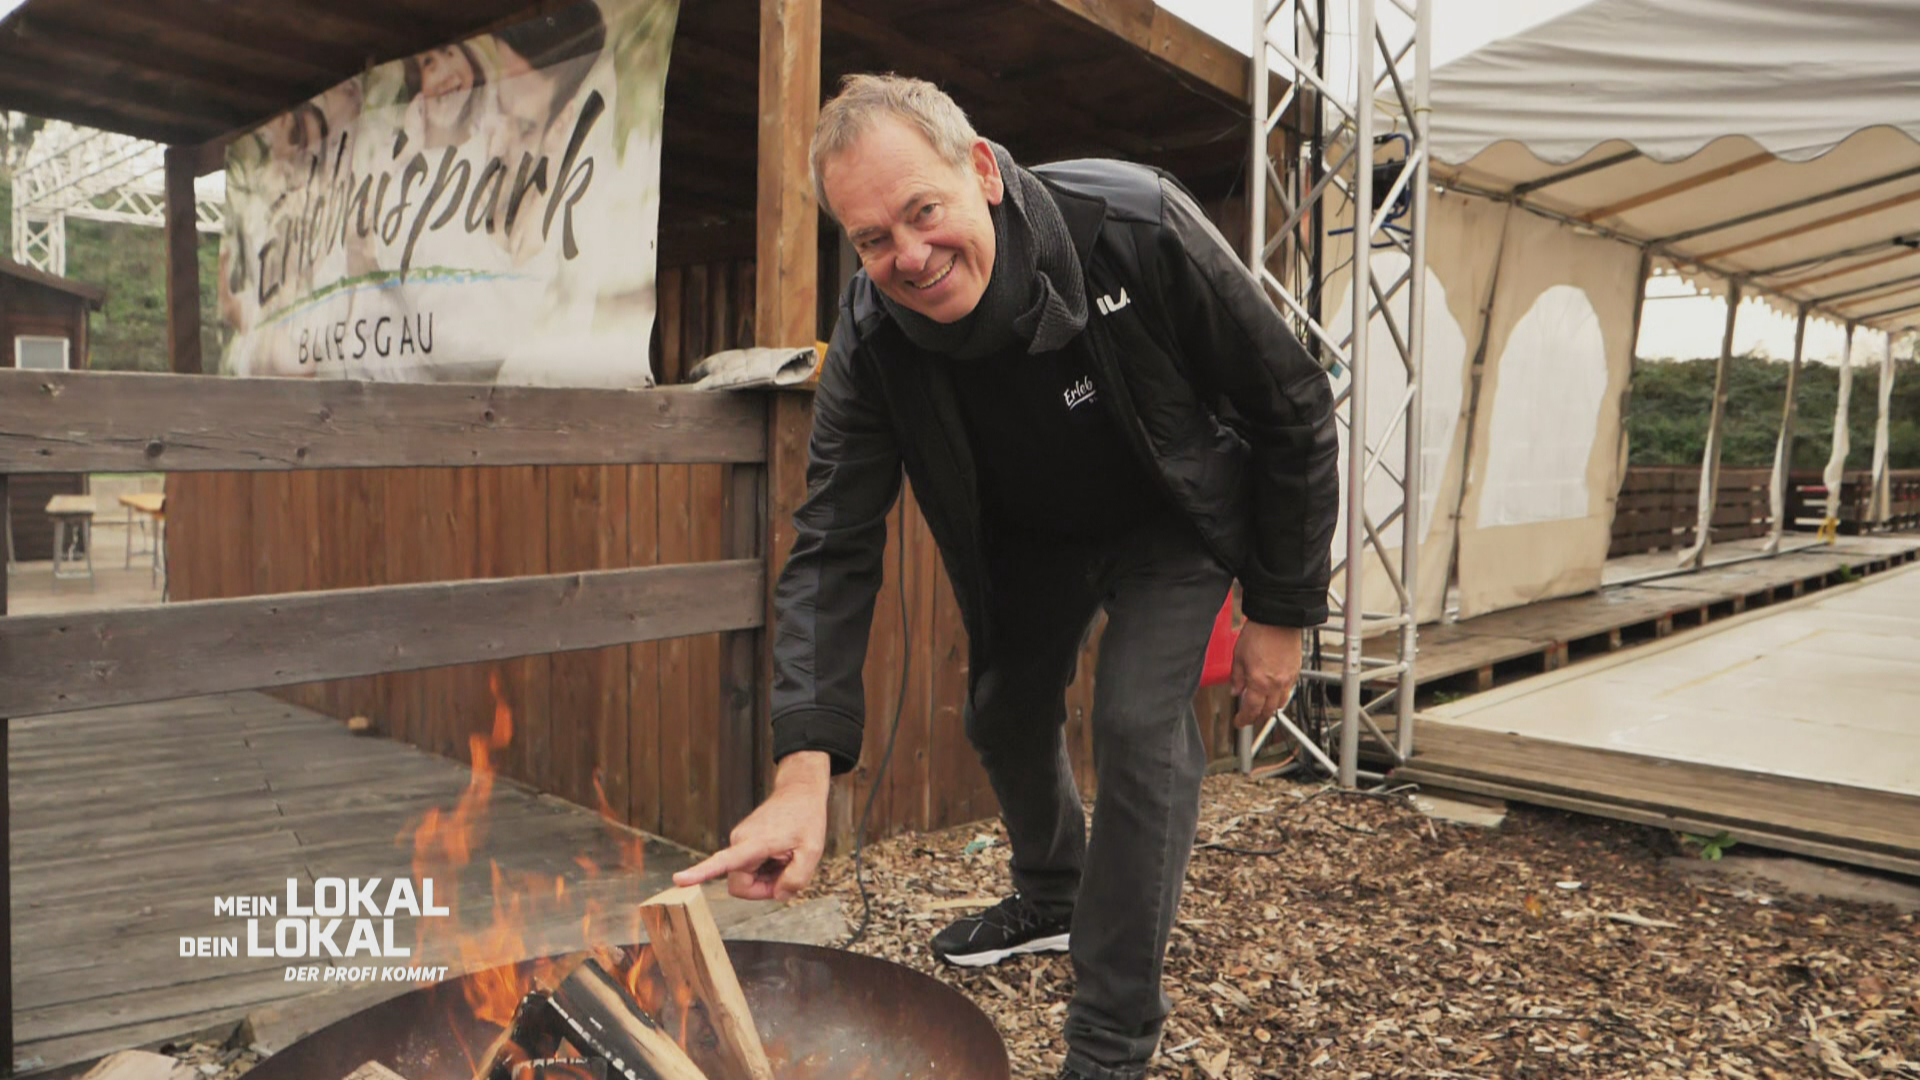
{"x": 685, "y": 941}
{"x": 1784, "y": 805}
{"x": 57, "y": 663}
{"x": 704, "y": 713}
{"x": 909, "y": 775}
{"x": 1700, "y": 824}
{"x": 677, "y": 734}
{"x": 511, "y": 541}
{"x": 587, "y": 530}
{"x": 744, "y": 738}
{"x": 91, "y": 421}
{"x": 646, "y": 787}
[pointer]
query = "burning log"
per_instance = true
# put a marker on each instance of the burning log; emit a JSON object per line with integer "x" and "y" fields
{"x": 686, "y": 942}
{"x": 602, "y": 1019}
{"x": 534, "y": 1033}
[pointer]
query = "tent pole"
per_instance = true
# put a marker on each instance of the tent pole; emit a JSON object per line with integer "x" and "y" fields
{"x": 1352, "y": 601}
{"x": 1695, "y": 556}
{"x": 1882, "y": 507}
{"x": 1413, "y": 522}
{"x": 1783, "y": 451}
{"x": 1836, "y": 472}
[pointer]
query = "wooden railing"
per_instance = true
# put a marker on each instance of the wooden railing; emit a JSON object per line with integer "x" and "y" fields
{"x": 1659, "y": 508}
{"x": 84, "y": 422}
{"x": 1659, "y": 505}
{"x": 1807, "y": 501}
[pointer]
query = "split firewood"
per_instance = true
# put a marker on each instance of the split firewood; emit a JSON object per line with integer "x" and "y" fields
{"x": 373, "y": 1070}
{"x": 534, "y": 1032}
{"x": 140, "y": 1065}
{"x": 602, "y": 1019}
{"x": 686, "y": 942}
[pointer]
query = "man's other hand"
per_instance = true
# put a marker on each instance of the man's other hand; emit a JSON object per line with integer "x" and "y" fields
{"x": 1266, "y": 664}
{"x": 775, "y": 850}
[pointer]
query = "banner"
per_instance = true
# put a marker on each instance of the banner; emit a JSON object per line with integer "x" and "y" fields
{"x": 485, "y": 211}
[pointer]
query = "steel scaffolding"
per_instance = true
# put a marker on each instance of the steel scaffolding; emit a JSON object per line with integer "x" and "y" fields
{"x": 1352, "y": 158}
{"x": 75, "y": 172}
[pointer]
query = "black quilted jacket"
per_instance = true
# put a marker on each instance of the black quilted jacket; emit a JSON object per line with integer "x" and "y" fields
{"x": 1209, "y": 385}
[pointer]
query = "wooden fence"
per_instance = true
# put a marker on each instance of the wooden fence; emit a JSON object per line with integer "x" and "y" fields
{"x": 83, "y": 422}
{"x": 1659, "y": 505}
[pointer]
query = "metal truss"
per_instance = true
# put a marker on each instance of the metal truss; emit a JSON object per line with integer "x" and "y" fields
{"x": 76, "y": 172}
{"x": 1344, "y": 151}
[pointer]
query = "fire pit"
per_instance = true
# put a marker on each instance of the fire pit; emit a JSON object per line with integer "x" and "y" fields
{"x": 822, "y": 1013}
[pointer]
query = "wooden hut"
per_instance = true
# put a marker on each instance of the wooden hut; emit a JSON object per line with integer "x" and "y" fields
{"x": 43, "y": 324}
{"x": 744, "y": 257}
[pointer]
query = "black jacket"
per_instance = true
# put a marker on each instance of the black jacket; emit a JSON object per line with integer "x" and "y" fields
{"x": 1208, "y": 383}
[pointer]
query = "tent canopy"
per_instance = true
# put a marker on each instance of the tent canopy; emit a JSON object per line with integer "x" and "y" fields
{"x": 1776, "y": 141}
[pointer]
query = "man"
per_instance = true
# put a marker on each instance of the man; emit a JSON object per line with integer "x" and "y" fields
{"x": 1097, "y": 407}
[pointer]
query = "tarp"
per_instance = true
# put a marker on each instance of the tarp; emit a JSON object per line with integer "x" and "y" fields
{"x": 1770, "y": 139}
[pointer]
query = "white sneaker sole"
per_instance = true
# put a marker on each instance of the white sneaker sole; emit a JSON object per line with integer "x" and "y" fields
{"x": 1056, "y": 943}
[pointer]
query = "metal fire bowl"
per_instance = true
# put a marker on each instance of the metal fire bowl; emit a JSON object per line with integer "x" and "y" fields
{"x": 823, "y": 1014}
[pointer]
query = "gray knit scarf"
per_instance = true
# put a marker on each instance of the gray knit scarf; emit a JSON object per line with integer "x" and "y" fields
{"x": 1036, "y": 294}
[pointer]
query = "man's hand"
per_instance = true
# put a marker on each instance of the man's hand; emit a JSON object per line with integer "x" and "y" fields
{"x": 1266, "y": 664}
{"x": 776, "y": 849}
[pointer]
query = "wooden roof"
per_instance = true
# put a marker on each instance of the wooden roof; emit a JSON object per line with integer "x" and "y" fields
{"x": 1050, "y": 78}
{"x": 93, "y": 295}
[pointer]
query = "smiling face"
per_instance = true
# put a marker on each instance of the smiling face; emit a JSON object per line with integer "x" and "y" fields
{"x": 920, "y": 223}
{"x": 446, "y": 81}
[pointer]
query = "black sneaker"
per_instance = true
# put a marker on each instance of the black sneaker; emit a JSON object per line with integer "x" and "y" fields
{"x": 1012, "y": 927}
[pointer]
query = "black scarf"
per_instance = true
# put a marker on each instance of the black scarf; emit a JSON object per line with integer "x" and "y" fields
{"x": 1036, "y": 294}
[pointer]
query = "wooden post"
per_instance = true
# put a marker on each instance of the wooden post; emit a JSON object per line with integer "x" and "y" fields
{"x": 1696, "y": 555}
{"x": 6, "y": 855}
{"x": 1783, "y": 450}
{"x": 1879, "y": 499}
{"x": 183, "y": 263}
{"x": 787, "y": 269}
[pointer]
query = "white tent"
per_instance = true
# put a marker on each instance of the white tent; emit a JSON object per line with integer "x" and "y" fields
{"x": 1764, "y": 147}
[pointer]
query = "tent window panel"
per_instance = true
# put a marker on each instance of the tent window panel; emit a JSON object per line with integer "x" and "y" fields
{"x": 1546, "y": 415}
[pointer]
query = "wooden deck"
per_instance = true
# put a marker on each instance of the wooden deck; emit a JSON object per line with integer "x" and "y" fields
{"x": 127, "y": 823}
{"x": 1795, "y": 728}
{"x": 1477, "y": 654}
{"x": 1829, "y": 821}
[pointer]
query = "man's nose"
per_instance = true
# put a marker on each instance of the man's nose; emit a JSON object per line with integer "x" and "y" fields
{"x": 914, "y": 254}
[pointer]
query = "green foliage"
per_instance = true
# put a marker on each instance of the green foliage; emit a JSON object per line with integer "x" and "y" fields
{"x": 1710, "y": 848}
{"x": 1672, "y": 401}
{"x": 130, "y": 262}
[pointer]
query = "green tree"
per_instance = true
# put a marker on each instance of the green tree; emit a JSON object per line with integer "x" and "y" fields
{"x": 1673, "y": 400}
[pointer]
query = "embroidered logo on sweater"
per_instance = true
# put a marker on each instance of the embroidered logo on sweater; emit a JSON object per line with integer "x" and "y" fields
{"x": 1108, "y": 305}
{"x": 1080, "y": 393}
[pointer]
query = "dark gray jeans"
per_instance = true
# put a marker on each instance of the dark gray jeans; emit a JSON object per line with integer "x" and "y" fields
{"x": 1161, "y": 589}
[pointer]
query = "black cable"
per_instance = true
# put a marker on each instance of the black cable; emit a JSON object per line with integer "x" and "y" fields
{"x": 880, "y": 774}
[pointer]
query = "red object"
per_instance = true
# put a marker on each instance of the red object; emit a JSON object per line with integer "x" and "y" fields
{"x": 1218, "y": 669}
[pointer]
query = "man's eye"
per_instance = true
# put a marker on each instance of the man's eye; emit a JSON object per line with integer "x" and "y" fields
{"x": 926, "y": 212}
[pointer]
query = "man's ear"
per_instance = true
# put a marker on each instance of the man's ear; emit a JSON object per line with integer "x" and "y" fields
{"x": 986, "y": 168}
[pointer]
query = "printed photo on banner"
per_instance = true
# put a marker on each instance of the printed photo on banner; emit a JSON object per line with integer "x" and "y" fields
{"x": 484, "y": 211}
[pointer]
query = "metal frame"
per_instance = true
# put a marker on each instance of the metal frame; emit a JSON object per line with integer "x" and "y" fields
{"x": 94, "y": 176}
{"x": 1336, "y": 105}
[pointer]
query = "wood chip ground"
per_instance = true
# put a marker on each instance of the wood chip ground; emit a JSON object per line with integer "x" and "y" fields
{"x": 1367, "y": 941}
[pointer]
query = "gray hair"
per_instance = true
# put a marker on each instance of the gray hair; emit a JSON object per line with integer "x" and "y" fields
{"x": 863, "y": 99}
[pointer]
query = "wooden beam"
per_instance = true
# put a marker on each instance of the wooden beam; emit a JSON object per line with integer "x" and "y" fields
{"x": 83, "y": 660}
{"x": 686, "y": 943}
{"x": 96, "y": 421}
{"x": 55, "y": 102}
{"x": 941, "y": 65}
{"x": 137, "y": 70}
{"x": 6, "y": 824}
{"x": 1678, "y": 187}
{"x": 1843, "y": 271}
{"x": 1814, "y": 226}
{"x": 743, "y": 704}
{"x": 183, "y": 264}
{"x": 1214, "y": 69}
{"x": 787, "y": 264}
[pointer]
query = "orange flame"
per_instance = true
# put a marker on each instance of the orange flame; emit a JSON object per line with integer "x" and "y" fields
{"x": 444, "y": 842}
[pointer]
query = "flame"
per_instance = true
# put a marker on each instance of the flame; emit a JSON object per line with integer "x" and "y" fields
{"x": 491, "y": 951}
